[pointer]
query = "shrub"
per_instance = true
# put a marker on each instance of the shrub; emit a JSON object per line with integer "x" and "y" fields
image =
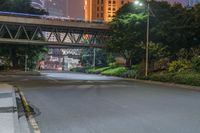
{"x": 80, "y": 69}
{"x": 130, "y": 74}
{"x": 179, "y": 66}
{"x": 163, "y": 77}
{"x": 187, "y": 77}
{"x": 196, "y": 63}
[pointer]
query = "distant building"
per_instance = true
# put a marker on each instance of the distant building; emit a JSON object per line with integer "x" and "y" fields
{"x": 102, "y": 9}
{"x": 39, "y": 4}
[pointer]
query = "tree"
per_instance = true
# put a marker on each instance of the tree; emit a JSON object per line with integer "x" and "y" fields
{"x": 127, "y": 36}
{"x": 173, "y": 26}
{"x": 16, "y": 53}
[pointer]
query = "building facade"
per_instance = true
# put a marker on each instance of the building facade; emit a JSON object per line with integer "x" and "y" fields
{"x": 102, "y": 9}
{"x": 64, "y": 8}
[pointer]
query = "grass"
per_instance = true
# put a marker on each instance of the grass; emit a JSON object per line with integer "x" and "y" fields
{"x": 118, "y": 71}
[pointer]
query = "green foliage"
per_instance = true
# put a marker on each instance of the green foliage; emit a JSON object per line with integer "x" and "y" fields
{"x": 189, "y": 53}
{"x": 88, "y": 55}
{"x": 188, "y": 77}
{"x": 196, "y": 63}
{"x": 127, "y": 35}
{"x": 179, "y": 66}
{"x": 157, "y": 51}
{"x": 115, "y": 71}
{"x": 130, "y": 74}
{"x": 15, "y": 54}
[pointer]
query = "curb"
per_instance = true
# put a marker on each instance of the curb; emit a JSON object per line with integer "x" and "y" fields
{"x": 29, "y": 115}
{"x": 23, "y": 121}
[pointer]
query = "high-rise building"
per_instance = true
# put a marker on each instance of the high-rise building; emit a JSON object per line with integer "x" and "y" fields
{"x": 102, "y": 9}
{"x": 76, "y": 8}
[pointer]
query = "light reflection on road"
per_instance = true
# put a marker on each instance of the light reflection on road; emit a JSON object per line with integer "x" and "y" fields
{"x": 78, "y": 76}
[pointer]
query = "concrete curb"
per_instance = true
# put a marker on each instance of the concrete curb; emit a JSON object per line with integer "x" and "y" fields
{"x": 29, "y": 73}
{"x": 182, "y": 86}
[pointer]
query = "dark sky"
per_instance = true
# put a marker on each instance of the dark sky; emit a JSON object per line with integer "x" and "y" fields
{"x": 76, "y": 8}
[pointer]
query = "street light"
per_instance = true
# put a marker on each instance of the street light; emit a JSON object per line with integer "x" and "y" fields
{"x": 138, "y": 3}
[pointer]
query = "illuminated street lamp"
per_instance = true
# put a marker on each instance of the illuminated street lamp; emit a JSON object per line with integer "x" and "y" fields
{"x": 138, "y": 3}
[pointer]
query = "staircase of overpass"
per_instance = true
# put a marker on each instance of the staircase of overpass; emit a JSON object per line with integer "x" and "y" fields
{"x": 54, "y": 33}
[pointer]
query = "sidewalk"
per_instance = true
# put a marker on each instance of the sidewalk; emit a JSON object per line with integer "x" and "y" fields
{"x": 9, "y": 119}
{"x": 8, "y": 110}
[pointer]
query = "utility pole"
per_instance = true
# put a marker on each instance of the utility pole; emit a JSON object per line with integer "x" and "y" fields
{"x": 147, "y": 41}
{"x": 94, "y": 57}
{"x": 26, "y": 60}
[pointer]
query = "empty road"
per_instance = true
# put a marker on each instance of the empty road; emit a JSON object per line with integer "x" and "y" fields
{"x": 81, "y": 103}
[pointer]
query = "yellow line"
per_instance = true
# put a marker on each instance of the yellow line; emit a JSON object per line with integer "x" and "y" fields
{"x": 29, "y": 114}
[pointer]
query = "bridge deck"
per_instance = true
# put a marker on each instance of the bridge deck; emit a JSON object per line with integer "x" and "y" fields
{"x": 25, "y": 30}
{"x": 51, "y": 22}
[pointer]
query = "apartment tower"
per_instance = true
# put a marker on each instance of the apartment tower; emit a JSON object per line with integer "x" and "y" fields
{"x": 102, "y": 9}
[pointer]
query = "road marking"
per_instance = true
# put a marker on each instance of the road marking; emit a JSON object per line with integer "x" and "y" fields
{"x": 30, "y": 116}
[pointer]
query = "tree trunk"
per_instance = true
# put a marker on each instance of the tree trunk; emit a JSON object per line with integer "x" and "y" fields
{"x": 13, "y": 57}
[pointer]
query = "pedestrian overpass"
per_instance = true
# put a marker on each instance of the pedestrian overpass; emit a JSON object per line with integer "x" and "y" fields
{"x": 52, "y": 32}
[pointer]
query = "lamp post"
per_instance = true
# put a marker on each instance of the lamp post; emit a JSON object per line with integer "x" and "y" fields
{"x": 138, "y": 3}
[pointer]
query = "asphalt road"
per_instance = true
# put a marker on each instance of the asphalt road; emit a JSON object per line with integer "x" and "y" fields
{"x": 80, "y": 103}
